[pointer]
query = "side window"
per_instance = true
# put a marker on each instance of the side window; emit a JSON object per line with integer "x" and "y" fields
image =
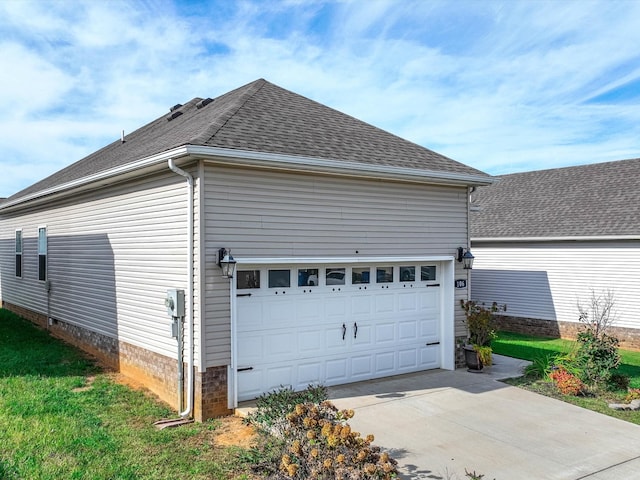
{"x": 19, "y": 253}
{"x": 428, "y": 273}
{"x": 279, "y": 278}
{"x": 42, "y": 253}
{"x": 248, "y": 279}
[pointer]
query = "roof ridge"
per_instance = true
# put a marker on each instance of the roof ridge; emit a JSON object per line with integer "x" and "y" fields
{"x": 227, "y": 114}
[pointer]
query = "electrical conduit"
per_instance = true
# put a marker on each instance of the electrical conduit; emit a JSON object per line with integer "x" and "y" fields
{"x": 189, "y": 409}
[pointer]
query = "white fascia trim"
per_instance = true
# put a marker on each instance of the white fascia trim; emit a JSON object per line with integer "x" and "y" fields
{"x": 585, "y": 238}
{"x": 339, "y": 260}
{"x": 127, "y": 168}
{"x": 246, "y": 157}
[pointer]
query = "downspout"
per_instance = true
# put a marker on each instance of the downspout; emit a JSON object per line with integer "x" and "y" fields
{"x": 188, "y": 411}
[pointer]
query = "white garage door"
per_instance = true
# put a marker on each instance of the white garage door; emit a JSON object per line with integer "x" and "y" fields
{"x": 306, "y": 324}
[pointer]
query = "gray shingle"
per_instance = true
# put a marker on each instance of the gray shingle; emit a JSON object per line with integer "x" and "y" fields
{"x": 261, "y": 117}
{"x": 590, "y": 200}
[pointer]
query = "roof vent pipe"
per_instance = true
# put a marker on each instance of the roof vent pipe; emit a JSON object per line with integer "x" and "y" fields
{"x": 204, "y": 103}
{"x": 175, "y": 107}
{"x": 122, "y": 137}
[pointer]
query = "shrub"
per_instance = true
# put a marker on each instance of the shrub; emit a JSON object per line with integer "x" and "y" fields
{"x": 597, "y": 353}
{"x": 633, "y": 394}
{"x": 618, "y": 381}
{"x": 273, "y": 407}
{"x": 567, "y": 383}
{"x": 321, "y": 445}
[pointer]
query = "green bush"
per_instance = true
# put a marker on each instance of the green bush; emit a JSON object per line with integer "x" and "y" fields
{"x": 596, "y": 357}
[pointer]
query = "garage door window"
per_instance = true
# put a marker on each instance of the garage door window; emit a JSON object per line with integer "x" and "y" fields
{"x": 307, "y": 277}
{"x": 360, "y": 275}
{"x": 407, "y": 274}
{"x": 384, "y": 274}
{"x": 428, "y": 273}
{"x": 279, "y": 278}
{"x": 335, "y": 276}
{"x": 248, "y": 279}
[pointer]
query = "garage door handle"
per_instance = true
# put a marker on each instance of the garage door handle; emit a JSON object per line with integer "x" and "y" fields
{"x": 245, "y": 369}
{"x": 243, "y": 295}
{"x": 344, "y": 330}
{"x": 355, "y": 330}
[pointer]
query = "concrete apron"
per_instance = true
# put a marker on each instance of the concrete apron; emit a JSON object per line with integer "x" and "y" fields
{"x": 439, "y": 423}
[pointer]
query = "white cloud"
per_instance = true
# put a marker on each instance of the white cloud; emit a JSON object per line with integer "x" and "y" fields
{"x": 499, "y": 85}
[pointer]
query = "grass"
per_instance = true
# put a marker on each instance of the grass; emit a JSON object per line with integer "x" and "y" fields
{"x": 531, "y": 348}
{"x": 61, "y": 416}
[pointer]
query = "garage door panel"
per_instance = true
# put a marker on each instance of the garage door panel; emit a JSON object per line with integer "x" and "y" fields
{"x": 335, "y": 308}
{"x": 251, "y": 313}
{"x": 408, "y": 359}
{"x": 361, "y": 367}
{"x": 250, "y": 348}
{"x": 309, "y": 310}
{"x": 336, "y": 371}
{"x": 429, "y": 329}
{"x": 277, "y": 376}
{"x": 361, "y": 304}
{"x": 385, "y": 333}
{"x": 278, "y": 345}
{"x": 408, "y": 302}
{"x": 384, "y": 302}
{"x": 309, "y": 373}
{"x": 429, "y": 356}
{"x": 311, "y": 342}
{"x": 385, "y": 363}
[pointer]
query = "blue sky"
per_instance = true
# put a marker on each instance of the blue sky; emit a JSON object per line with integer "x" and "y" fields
{"x": 503, "y": 86}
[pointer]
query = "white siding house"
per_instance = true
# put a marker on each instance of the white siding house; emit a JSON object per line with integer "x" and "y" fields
{"x": 545, "y": 241}
{"x": 344, "y": 235}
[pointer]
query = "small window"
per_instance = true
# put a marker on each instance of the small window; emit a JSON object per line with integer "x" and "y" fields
{"x": 307, "y": 277}
{"x": 42, "y": 253}
{"x": 428, "y": 273}
{"x": 279, "y": 278}
{"x": 335, "y": 276}
{"x": 360, "y": 275}
{"x": 407, "y": 274}
{"x": 18, "y": 253}
{"x": 248, "y": 279}
{"x": 384, "y": 274}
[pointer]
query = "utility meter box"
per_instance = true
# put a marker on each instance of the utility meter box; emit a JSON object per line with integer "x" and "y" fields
{"x": 175, "y": 302}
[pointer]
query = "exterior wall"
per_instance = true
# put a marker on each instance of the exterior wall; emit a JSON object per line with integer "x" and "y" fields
{"x": 260, "y": 213}
{"x": 112, "y": 255}
{"x": 545, "y": 281}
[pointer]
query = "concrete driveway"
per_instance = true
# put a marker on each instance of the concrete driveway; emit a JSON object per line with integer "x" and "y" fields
{"x": 439, "y": 423}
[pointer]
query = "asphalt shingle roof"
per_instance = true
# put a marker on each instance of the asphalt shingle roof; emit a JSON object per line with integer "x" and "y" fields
{"x": 600, "y": 199}
{"x": 261, "y": 117}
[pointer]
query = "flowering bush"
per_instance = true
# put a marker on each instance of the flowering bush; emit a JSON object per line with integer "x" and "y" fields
{"x": 633, "y": 394}
{"x": 567, "y": 383}
{"x": 321, "y": 445}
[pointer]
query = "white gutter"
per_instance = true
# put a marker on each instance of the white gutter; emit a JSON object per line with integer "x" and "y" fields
{"x": 576, "y": 238}
{"x": 339, "y": 260}
{"x": 172, "y": 166}
{"x": 344, "y": 167}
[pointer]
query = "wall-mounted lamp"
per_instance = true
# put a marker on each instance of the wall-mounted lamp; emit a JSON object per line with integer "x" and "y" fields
{"x": 466, "y": 258}
{"x": 226, "y": 262}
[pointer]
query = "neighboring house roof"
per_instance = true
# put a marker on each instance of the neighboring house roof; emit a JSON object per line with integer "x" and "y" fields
{"x": 597, "y": 200}
{"x": 260, "y": 117}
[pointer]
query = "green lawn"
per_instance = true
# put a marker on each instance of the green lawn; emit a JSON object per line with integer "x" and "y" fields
{"x": 530, "y": 348}
{"x": 62, "y": 417}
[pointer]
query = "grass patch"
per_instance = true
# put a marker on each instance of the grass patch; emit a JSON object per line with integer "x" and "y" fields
{"x": 532, "y": 348}
{"x": 61, "y": 416}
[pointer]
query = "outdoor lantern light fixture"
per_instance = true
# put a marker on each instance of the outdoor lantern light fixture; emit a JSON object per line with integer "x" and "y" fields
{"x": 466, "y": 258}
{"x": 226, "y": 262}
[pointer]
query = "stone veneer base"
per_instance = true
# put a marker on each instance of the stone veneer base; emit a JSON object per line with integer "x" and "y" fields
{"x": 156, "y": 372}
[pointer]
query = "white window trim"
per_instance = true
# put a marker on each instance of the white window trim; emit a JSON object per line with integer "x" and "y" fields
{"x": 21, "y": 252}
{"x": 46, "y": 253}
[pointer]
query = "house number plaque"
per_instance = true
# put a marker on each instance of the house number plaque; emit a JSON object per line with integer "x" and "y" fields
{"x": 461, "y": 283}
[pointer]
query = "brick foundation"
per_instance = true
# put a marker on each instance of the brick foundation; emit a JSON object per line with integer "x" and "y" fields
{"x": 460, "y": 361}
{"x": 156, "y": 372}
{"x": 629, "y": 337}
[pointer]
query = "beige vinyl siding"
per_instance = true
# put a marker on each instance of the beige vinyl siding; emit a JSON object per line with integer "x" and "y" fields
{"x": 260, "y": 213}
{"x": 112, "y": 255}
{"x": 546, "y": 280}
